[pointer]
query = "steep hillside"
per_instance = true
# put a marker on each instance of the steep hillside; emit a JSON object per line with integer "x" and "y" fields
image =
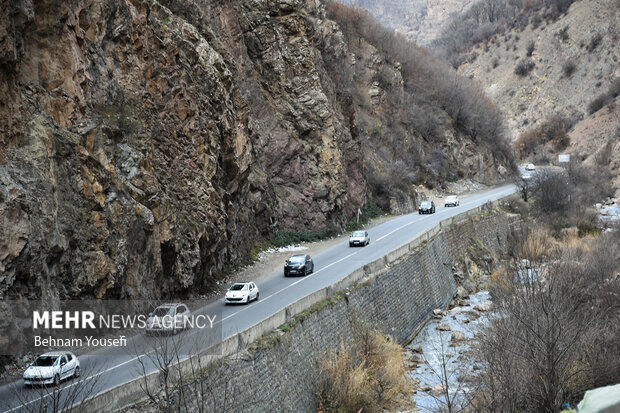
{"x": 420, "y": 21}
{"x": 148, "y": 146}
{"x": 567, "y": 68}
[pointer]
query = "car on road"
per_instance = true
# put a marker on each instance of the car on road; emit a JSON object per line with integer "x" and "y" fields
{"x": 452, "y": 200}
{"x": 426, "y": 207}
{"x": 168, "y": 318}
{"x": 299, "y": 264}
{"x": 358, "y": 238}
{"x": 530, "y": 167}
{"x": 52, "y": 368}
{"x": 241, "y": 293}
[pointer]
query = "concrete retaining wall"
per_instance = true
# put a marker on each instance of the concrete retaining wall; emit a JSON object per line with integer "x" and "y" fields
{"x": 396, "y": 293}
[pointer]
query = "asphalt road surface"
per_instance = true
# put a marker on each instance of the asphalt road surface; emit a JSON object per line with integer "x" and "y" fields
{"x": 105, "y": 369}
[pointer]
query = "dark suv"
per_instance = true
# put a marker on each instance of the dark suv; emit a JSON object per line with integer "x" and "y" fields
{"x": 426, "y": 207}
{"x": 299, "y": 264}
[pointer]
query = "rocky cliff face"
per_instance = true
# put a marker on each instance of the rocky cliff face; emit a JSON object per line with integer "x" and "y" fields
{"x": 145, "y": 146}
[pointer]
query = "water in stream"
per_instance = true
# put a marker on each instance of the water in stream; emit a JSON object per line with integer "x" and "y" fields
{"x": 433, "y": 349}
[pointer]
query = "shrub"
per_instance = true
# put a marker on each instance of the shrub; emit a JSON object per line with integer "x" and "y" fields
{"x": 291, "y": 237}
{"x": 552, "y": 191}
{"x": 369, "y": 211}
{"x": 605, "y": 98}
{"x": 530, "y": 48}
{"x": 568, "y": 68}
{"x": 551, "y": 337}
{"x": 524, "y": 67}
{"x": 554, "y": 130}
{"x": 494, "y": 62}
{"x": 563, "y": 34}
{"x": 595, "y": 41}
{"x": 366, "y": 375}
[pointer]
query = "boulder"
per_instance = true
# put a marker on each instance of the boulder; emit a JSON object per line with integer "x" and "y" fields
{"x": 461, "y": 292}
{"x": 457, "y": 336}
{"x": 482, "y": 307}
{"x": 416, "y": 348}
{"x": 443, "y": 327}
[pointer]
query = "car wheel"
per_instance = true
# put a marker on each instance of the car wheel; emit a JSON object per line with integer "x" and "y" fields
{"x": 256, "y": 299}
{"x": 350, "y": 245}
{"x": 76, "y": 372}
{"x": 56, "y": 380}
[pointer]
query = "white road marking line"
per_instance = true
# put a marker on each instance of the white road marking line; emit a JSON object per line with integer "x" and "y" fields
{"x": 290, "y": 285}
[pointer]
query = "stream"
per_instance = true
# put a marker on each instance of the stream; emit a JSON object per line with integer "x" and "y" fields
{"x": 445, "y": 342}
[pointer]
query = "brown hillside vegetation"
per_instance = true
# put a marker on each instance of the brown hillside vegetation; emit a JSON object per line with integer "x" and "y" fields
{"x": 573, "y": 76}
{"x": 413, "y": 96}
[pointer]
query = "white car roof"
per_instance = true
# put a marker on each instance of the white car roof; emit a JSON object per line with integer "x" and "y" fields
{"x": 55, "y": 353}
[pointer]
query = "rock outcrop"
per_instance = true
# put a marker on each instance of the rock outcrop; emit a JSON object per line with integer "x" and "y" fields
{"x": 146, "y": 146}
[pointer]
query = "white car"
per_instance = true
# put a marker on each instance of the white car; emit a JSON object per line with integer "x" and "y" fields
{"x": 241, "y": 293}
{"x": 530, "y": 167}
{"x": 168, "y": 318}
{"x": 359, "y": 238}
{"x": 52, "y": 368}
{"x": 451, "y": 200}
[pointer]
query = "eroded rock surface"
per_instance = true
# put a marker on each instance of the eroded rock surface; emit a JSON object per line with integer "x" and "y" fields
{"x": 146, "y": 146}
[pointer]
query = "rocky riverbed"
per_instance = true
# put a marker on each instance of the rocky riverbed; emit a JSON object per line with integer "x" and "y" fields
{"x": 440, "y": 358}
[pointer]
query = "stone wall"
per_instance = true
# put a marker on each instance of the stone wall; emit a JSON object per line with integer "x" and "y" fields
{"x": 279, "y": 371}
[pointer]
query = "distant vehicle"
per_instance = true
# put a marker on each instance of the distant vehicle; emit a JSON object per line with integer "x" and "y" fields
{"x": 426, "y": 207}
{"x": 452, "y": 200}
{"x": 299, "y": 264}
{"x": 168, "y": 318}
{"x": 52, "y": 368}
{"x": 241, "y": 293}
{"x": 359, "y": 238}
{"x": 530, "y": 167}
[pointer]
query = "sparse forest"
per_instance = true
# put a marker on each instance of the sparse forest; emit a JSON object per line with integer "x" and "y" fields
{"x": 554, "y": 325}
{"x": 424, "y": 98}
{"x": 488, "y": 18}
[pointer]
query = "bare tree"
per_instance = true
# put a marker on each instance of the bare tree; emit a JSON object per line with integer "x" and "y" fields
{"x": 453, "y": 396}
{"x": 190, "y": 379}
{"x": 547, "y": 312}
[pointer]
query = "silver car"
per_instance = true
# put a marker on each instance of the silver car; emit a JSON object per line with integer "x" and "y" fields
{"x": 359, "y": 238}
{"x": 168, "y": 318}
{"x": 52, "y": 368}
{"x": 451, "y": 200}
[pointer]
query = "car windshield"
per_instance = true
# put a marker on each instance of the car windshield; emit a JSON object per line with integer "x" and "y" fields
{"x": 297, "y": 258}
{"x": 45, "y": 361}
{"x": 161, "y": 311}
{"x": 358, "y": 234}
{"x": 239, "y": 287}
{"x": 426, "y": 204}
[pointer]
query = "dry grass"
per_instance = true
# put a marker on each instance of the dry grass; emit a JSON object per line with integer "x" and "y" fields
{"x": 538, "y": 245}
{"x": 366, "y": 375}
